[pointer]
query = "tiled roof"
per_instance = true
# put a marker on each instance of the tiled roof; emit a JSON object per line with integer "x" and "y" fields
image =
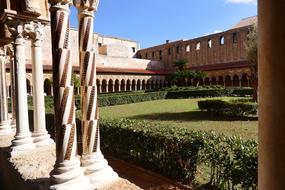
{"x": 246, "y": 22}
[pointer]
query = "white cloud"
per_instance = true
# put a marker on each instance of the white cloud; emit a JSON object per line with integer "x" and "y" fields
{"x": 242, "y": 1}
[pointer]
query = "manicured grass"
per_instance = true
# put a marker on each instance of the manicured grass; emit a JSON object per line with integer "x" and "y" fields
{"x": 183, "y": 113}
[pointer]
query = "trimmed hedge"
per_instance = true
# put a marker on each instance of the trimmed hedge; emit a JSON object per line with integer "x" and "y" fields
{"x": 238, "y": 108}
{"x": 141, "y": 96}
{"x": 176, "y": 152}
{"x": 130, "y": 98}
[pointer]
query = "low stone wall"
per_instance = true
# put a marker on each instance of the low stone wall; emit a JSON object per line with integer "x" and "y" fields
{"x": 29, "y": 171}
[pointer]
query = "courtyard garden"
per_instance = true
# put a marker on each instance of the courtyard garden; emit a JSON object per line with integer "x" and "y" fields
{"x": 184, "y": 113}
{"x": 202, "y": 137}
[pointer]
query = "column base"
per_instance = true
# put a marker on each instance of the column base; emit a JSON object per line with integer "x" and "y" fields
{"x": 13, "y": 124}
{"x": 5, "y": 129}
{"x": 97, "y": 170}
{"x": 42, "y": 139}
{"x": 69, "y": 175}
{"x": 22, "y": 143}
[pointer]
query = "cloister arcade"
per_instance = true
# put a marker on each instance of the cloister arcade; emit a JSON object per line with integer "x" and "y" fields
{"x": 123, "y": 83}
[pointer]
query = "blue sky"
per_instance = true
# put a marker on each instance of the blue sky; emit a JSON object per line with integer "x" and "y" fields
{"x": 151, "y": 22}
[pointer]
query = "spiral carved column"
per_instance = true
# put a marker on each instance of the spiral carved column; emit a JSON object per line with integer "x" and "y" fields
{"x": 67, "y": 173}
{"x": 96, "y": 167}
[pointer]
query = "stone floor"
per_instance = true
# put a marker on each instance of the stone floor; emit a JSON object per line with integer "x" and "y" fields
{"x": 33, "y": 168}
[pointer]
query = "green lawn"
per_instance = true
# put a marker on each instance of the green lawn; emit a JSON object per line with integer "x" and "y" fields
{"x": 183, "y": 113}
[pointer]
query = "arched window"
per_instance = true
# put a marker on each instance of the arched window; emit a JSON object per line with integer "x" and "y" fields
{"x": 209, "y": 43}
{"x": 198, "y": 46}
{"x": 188, "y": 48}
{"x": 222, "y": 40}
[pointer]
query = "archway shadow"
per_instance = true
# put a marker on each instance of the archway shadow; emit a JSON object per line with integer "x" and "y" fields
{"x": 190, "y": 116}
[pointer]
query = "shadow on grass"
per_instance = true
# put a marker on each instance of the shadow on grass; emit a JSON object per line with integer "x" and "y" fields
{"x": 190, "y": 116}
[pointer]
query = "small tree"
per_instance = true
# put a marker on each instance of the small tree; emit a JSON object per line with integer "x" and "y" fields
{"x": 180, "y": 64}
{"x": 199, "y": 75}
{"x": 251, "y": 48}
{"x": 75, "y": 80}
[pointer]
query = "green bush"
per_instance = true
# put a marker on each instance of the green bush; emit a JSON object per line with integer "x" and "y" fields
{"x": 168, "y": 93}
{"x": 177, "y": 152}
{"x": 237, "y": 108}
{"x": 128, "y": 98}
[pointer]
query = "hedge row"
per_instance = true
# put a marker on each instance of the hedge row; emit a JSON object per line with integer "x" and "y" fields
{"x": 238, "y": 108}
{"x": 177, "y": 153}
{"x": 141, "y": 96}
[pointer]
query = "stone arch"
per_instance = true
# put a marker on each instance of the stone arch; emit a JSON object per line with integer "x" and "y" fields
{"x": 104, "y": 86}
{"x": 139, "y": 84}
{"x": 110, "y": 85}
{"x": 117, "y": 85}
{"x": 29, "y": 87}
{"x": 134, "y": 83}
{"x": 152, "y": 83}
{"x": 201, "y": 82}
{"x": 244, "y": 80}
{"x": 221, "y": 81}
{"x": 123, "y": 85}
{"x": 236, "y": 81}
{"x": 207, "y": 81}
{"x": 143, "y": 84}
{"x": 129, "y": 85}
{"x": 228, "y": 81}
{"x": 213, "y": 81}
{"x": 98, "y": 84}
{"x": 48, "y": 87}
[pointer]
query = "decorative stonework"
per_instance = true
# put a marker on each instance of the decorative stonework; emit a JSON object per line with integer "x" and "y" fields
{"x": 67, "y": 173}
{"x": 96, "y": 167}
{"x": 23, "y": 140}
{"x": 40, "y": 135}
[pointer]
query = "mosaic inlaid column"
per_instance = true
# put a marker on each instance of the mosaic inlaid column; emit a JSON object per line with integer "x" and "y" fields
{"x": 40, "y": 134}
{"x": 97, "y": 168}
{"x": 5, "y": 127}
{"x": 23, "y": 140}
{"x": 67, "y": 173}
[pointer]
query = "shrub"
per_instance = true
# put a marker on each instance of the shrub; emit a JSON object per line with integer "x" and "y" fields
{"x": 129, "y": 98}
{"x": 231, "y": 108}
{"x": 177, "y": 152}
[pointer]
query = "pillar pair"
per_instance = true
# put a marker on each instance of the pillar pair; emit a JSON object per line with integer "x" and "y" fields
{"x": 5, "y": 124}
{"x": 92, "y": 170}
{"x": 24, "y": 140}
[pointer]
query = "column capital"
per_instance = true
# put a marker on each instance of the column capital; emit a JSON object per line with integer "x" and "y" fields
{"x": 2, "y": 51}
{"x": 60, "y": 2}
{"x": 86, "y": 7}
{"x": 60, "y": 5}
{"x": 35, "y": 31}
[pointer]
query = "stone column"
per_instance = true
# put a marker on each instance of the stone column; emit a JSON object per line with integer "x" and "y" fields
{"x": 99, "y": 88}
{"x": 271, "y": 69}
{"x": 113, "y": 87}
{"x": 97, "y": 169}
{"x": 40, "y": 134}
{"x": 67, "y": 173}
{"x": 13, "y": 95}
{"x": 23, "y": 140}
{"x": 119, "y": 87}
{"x": 107, "y": 88}
{"x": 5, "y": 127}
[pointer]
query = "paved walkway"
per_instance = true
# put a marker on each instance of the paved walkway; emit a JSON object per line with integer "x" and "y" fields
{"x": 143, "y": 178}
